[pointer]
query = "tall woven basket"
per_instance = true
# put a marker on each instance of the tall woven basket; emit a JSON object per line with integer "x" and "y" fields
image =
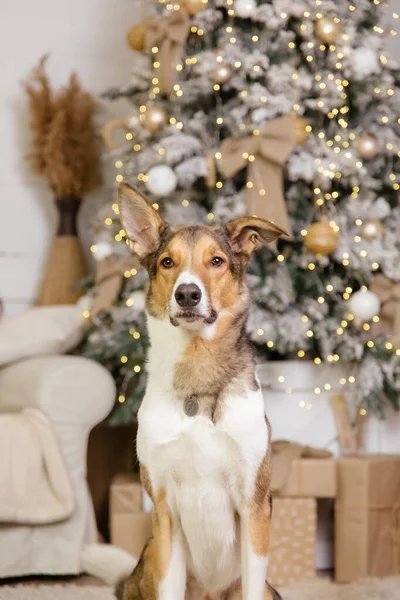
{"x": 66, "y": 263}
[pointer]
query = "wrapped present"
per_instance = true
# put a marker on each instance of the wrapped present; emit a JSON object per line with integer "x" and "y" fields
{"x": 303, "y": 471}
{"x": 131, "y": 531}
{"x": 126, "y": 494}
{"x": 367, "y": 521}
{"x": 293, "y": 540}
{"x": 130, "y": 527}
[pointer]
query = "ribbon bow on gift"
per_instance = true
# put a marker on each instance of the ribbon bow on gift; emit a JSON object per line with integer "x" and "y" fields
{"x": 264, "y": 154}
{"x": 388, "y": 293}
{"x": 109, "y": 276}
{"x": 169, "y": 35}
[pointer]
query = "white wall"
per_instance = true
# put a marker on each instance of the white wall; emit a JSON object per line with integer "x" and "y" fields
{"x": 86, "y": 35}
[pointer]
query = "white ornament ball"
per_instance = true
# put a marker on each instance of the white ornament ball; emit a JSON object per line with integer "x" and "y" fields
{"x": 364, "y": 305}
{"x": 161, "y": 180}
{"x": 244, "y": 8}
{"x": 364, "y": 62}
{"x": 103, "y": 249}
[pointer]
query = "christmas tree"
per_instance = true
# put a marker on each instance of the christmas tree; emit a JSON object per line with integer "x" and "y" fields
{"x": 287, "y": 110}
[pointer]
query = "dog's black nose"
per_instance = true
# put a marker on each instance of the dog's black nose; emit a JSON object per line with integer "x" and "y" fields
{"x": 187, "y": 295}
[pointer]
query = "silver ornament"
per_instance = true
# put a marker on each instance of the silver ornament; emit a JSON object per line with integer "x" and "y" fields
{"x": 371, "y": 229}
{"x": 222, "y": 73}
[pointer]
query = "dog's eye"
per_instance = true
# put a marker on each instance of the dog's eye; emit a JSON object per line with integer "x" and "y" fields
{"x": 167, "y": 262}
{"x": 217, "y": 261}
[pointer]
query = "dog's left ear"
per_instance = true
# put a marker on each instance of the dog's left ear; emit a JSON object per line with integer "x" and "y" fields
{"x": 142, "y": 223}
{"x": 250, "y": 233}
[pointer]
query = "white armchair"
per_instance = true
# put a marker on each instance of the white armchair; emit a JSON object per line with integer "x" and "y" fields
{"x": 75, "y": 393}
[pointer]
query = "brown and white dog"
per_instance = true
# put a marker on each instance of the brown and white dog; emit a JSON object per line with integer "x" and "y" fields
{"x": 203, "y": 441}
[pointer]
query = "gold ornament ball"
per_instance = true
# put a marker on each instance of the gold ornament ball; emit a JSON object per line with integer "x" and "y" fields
{"x": 326, "y": 30}
{"x": 194, "y": 6}
{"x": 136, "y": 37}
{"x": 371, "y": 229}
{"x": 222, "y": 73}
{"x": 367, "y": 147}
{"x": 321, "y": 238}
{"x": 300, "y": 125}
{"x": 155, "y": 119}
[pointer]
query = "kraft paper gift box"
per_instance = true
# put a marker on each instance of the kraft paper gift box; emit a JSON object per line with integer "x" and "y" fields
{"x": 293, "y": 540}
{"x": 311, "y": 477}
{"x": 367, "y": 523}
{"x": 130, "y": 527}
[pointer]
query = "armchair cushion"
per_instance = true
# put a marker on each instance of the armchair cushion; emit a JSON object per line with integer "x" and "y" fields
{"x": 40, "y": 331}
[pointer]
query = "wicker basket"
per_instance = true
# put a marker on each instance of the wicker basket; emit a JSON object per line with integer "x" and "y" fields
{"x": 66, "y": 264}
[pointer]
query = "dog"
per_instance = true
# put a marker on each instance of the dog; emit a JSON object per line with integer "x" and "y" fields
{"x": 203, "y": 441}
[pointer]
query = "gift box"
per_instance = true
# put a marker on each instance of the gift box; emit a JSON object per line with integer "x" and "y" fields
{"x": 131, "y": 532}
{"x": 126, "y": 494}
{"x": 293, "y": 540}
{"x": 130, "y": 527}
{"x": 311, "y": 477}
{"x": 367, "y": 520}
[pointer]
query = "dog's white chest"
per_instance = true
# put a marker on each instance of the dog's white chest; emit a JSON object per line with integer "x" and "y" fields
{"x": 207, "y": 471}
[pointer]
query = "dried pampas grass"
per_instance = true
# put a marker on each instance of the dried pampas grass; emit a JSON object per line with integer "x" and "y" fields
{"x": 66, "y": 148}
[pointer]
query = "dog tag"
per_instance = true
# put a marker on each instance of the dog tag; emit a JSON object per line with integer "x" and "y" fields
{"x": 191, "y": 406}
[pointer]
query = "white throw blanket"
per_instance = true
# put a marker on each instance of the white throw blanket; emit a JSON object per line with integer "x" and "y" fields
{"x": 34, "y": 484}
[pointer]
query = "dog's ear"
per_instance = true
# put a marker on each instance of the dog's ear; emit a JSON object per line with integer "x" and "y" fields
{"x": 142, "y": 223}
{"x": 250, "y": 233}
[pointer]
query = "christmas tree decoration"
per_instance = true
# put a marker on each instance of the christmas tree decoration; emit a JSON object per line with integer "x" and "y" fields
{"x": 161, "y": 181}
{"x": 327, "y": 30}
{"x": 245, "y": 8}
{"x": 109, "y": 276}
{"x": 364, "y": 305}
{"x": 321, "y": 238}
{"x": 109, "y": 132}
{"x": 155, "y": 119}
{"x": 300, "y": 125}
{"x": 371, "y": 229}
{"x": 264, "y": 155}
{"x": 221, "y": 74}
{"x": 194, "y": 6}
{"x": 211, "y": 178}
{"x": 388, "y": 293}
{"x": 286, "y": 122}
{"x": 136, "y": 37}
{"x": 167, "y": 35}
{"x": 367, "y": 147}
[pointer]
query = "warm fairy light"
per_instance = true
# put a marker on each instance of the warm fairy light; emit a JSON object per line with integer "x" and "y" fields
{"x": 317, "y": 390}
{"x": 121, "y": 399}
{"x": 270, "y": 344}
{"x": 375, "y": 319}
{"x": 339, "y": 330}
{"x": 301, "y": 353}
{"x": 309, "y": 333}
{"x": 129, "y": 302}
{"x": 370, "y": 344}
{"x": 320, "y": 300}
{"x": 108, "y": 221}
{"x": 210, "y": 216}
{"x": 185, "y": 203}
{"x": 281, "y": 379}
{"x": 317, "y": 360}
{"x": 329, "y": 287}
{"x": 327, "y": 386}
{"x": 124, "y": 359}
{"x": 366, "y": 327}
{"x": 304, "y": 319}
{"x": 388, "y": 346}
{"x": 280, "y": 258}
{"x": 136, "y": 147}
{"x": 311, "y": 266}
{"x": 93, "y": 248}
{"x": 137, "y": 368}
{"x": 219, "y": 184}
{"x": 86, "y": 314}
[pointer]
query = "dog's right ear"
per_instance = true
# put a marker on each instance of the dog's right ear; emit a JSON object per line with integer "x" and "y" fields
{"x": 142, "y": 223}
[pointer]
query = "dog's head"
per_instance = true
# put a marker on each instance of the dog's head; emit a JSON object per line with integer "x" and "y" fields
{"x": 197, "y": 273}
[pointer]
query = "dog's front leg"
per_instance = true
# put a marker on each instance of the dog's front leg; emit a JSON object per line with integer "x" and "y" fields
{"x": 254, "y": 534}
{"x": 169, "y": 552}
